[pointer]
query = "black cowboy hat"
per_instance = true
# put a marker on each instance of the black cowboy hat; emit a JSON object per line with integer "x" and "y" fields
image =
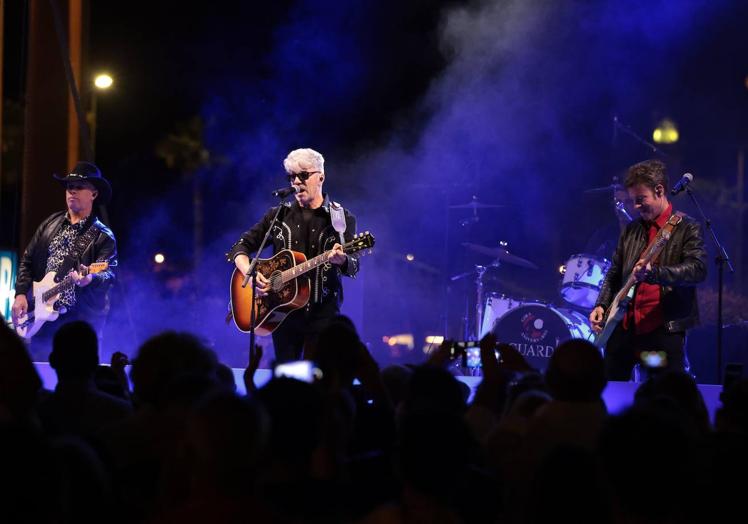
{"x": 86, "y": 171}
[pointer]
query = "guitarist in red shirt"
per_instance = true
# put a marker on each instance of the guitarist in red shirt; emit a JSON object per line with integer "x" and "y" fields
{"x": 305, "y": 226}
{"x": 663, "y": 308}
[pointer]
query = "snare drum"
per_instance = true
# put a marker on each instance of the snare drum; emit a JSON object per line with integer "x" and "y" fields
{"x": 583, "y": 279}
{"x": 496, "y": 307}
{"x": 536, "y": 329}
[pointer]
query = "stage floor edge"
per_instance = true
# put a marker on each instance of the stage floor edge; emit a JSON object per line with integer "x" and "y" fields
{"x": 617, "y": 395}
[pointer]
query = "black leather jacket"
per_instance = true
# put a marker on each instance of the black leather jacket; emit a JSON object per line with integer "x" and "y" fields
{"x": 681, "y": 265}
{"x": 91, "y": 300}
{"x": 326, "y": 281}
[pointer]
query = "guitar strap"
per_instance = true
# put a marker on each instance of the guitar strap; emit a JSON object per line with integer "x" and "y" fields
{"x": 79, "y": 247}
{"x": 337, "y": 214}
{"x": 672, "y": 221}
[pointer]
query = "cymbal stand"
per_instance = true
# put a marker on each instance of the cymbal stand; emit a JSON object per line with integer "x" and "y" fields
{"x": 480, "y": 271}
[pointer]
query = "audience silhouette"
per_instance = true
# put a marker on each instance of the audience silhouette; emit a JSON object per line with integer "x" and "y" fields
{"x": 356, "y": 443}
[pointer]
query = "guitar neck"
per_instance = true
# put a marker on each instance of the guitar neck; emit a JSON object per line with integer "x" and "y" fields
{"x": 66, "y": 284}
{"x": 360, "y": 242}
{"x": 68, "y": 281}
{"x": 305, "y": 267}
{"x": 653, "y": 249}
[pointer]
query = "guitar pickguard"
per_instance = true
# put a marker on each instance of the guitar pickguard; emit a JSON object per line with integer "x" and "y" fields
{"x": 287, "y": 292}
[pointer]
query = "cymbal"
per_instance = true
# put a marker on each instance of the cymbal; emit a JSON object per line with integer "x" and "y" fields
{"x": 411, "y": 261}
{"x": 474, "y": 204}
{"x": 611, "y": 187}
{"x": 500, "y": 254}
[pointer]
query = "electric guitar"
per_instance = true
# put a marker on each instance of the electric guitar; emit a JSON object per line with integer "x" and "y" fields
{"x": 44, "y": 294}
{"x": 289, "y": 289}
{"x": 623, "y": 298}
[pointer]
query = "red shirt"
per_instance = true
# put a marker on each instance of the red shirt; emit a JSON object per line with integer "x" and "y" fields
{"x": 647, "y": 310}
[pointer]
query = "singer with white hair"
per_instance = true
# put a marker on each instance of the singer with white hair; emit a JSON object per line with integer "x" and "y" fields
{"x": 312, "y": 224}
{"x": 653, "y": 329}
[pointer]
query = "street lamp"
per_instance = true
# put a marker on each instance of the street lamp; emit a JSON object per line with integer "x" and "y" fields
{"x": 102, "y": 82}
{"x": 666, "y": 132}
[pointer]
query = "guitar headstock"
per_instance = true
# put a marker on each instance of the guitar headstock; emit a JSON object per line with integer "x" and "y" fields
{"x": 360, "y": 242}
{"x": 97, "y": 267}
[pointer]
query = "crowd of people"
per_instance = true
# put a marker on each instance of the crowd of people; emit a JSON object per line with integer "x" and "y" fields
{"x": 175, "y": 442}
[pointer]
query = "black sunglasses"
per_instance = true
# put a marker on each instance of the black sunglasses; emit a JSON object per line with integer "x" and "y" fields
{"x": 303, "y": 175}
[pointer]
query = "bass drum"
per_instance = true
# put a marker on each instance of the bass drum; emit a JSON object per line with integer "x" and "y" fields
{"x": 536, "y": 329}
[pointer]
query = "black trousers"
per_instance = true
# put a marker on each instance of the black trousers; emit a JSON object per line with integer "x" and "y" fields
{"x": 301, "y": 329}
{"x": 625, "y": 347}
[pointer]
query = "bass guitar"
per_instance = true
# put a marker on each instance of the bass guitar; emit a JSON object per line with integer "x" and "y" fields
{"x": 623, "y": 298}
{"x": 289, "y": 288}
{"x": 44, "y": 294}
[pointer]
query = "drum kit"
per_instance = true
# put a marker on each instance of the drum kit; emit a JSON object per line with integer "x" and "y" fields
{"x": 535, "y": 327}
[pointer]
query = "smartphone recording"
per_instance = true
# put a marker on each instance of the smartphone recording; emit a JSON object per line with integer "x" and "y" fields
{"x": 304, "y": 370}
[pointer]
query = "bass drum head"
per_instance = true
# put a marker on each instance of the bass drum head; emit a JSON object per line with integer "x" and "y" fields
{"x": 536, "y": 330}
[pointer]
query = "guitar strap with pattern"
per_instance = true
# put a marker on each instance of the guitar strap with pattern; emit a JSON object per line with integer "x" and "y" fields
{"x": 79, "y": 247}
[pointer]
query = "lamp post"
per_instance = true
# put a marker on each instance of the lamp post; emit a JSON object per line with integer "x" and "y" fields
{"x": 102, "y": 82}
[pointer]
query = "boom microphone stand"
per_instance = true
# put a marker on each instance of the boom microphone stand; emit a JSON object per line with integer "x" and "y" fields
{"x": 720, "y": 260}
{"x": 252, "y": 274}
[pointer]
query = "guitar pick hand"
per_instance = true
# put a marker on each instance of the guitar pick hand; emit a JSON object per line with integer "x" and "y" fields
{"x": 20, "y": 308}
{"x": 263, "y": 285}
{"x": 596, "y": 319}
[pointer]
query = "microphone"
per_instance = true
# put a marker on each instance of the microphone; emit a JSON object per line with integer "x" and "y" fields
{"x": 621, "y": 210}
{"x": 682, "y": 183}
{"x": 285, "y": 191}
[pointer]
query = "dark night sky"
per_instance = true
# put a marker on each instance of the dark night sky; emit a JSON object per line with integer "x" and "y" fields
{"x": 170, "y": 63}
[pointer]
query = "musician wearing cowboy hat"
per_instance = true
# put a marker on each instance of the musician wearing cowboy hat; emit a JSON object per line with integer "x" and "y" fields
{"x": 66, "y": 243}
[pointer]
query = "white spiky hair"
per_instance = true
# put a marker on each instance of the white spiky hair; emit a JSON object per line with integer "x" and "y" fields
{"x": 309, "y": 157}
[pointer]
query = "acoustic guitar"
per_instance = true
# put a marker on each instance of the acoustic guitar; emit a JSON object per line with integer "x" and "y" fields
{"x": 289, "y": 287}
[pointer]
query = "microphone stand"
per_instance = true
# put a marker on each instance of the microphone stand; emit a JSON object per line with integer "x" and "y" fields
{"x": 720, "y": 260}
{"x": 252, "y": 273}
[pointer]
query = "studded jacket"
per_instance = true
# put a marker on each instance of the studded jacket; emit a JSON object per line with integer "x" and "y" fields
{"x": 680, "y": 267}
{"x": 309, "y": 232}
